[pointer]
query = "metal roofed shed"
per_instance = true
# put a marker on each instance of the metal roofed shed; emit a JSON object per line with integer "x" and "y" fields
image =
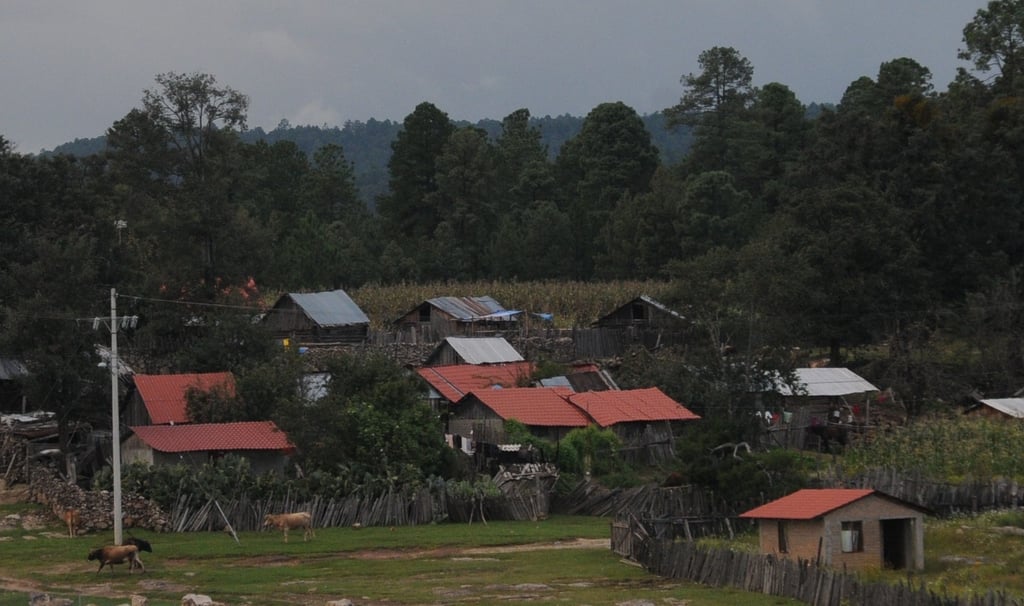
{"x": 330, "y": 316}
{"x": 826, "y": 382}
{"x": 440, "y": 317}
{"x": 999, "y": 407}
{"x": 473, "y": 350}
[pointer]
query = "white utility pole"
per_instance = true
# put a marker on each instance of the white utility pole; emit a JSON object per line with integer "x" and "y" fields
{"x": 115, "y": 418}
{"x": 115, "y": 414}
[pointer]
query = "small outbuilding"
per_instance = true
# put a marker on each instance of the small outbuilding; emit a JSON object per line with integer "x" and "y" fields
{"x": 317, "y": 317}
{"x": 473, "y": 350}
{"x": 440, "y": 317}
{"x": 842, "y": 527}
{"x": 998, "y": 408}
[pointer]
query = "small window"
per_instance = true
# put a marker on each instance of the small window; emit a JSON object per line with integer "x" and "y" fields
{"x": 783, "y": 541}
{"x": 851, "y": 537}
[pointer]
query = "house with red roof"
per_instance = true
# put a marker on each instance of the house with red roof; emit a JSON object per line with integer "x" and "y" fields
{"x": 448, "y": 384}
{"x": 163, "y": 399}
{"x": 262, "y": 443}
{"x": 643, "y": 419}
{"x": 544, "y": 410}
{"x": 843, "y": 527}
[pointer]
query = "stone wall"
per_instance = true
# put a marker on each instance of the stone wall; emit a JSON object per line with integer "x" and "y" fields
{"x": 95, "y": 508}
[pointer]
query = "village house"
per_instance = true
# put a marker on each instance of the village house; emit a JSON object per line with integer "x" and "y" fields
{"x": 545, "y": 411}
{"x": 317, "y": 317}
{"x": 643, "y": 419}
{"x": 473, "y": 350}
{"x": 261, "y": 443}
{"x": 448, "y": 384}
{"x": 854, "y": 528}
{"x": 641, "y": 321}
{"x": 163, "y": 399}
{"x": 440, "y": 317}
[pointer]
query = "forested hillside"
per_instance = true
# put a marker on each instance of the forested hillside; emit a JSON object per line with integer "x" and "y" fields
{"x": 883, "y": 232}
{"x": 367, "y": 144}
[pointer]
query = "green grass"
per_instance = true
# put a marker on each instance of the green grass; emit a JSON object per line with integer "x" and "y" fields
{"x": 431, "y": 564}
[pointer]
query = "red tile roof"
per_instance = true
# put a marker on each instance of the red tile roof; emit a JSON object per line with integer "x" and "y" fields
{"x": 808, "y": 503}
{"x": 538, "y": 406}
{"x": 254, "y": 435}
{"x": 164, "y": 395}
{"x": 455, "y": 381}
{"x": 623, "y": 406}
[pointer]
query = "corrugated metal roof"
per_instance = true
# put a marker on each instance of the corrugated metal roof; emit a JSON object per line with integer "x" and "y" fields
{"x": 484, "y": 350}
{"x": 332, "y": 308}
{"x": 808, "y": 503}
{"x": 11, "y": 369}
{"x": 455, "y": 381}
{"x": 608, "y": 408}
{"x": 467, "y": 309}
{"x": 661, "y": 307}
{"x": 1013, "y": 407}
{"x": 538, "y": 406}
{"x": 826, "y": 382}
{"x": 255, "y": 435}
{"x": 164, "y": 395}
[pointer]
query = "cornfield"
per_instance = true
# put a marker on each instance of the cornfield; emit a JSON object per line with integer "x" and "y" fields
{"x": 572, "y": 303}
{"x": 952, "y": 449}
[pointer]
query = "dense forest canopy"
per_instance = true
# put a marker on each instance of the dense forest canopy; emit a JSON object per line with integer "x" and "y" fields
{"x": 891, "y": 221}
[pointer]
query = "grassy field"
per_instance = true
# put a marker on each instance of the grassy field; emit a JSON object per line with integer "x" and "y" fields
{"x": 562, "y": 559}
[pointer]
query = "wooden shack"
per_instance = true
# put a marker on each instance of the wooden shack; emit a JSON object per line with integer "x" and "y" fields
{"x": 317, "y": 318}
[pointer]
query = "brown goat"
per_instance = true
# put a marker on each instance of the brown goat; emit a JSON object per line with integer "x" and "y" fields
{"x": 286, "y": 521}
{"x": 117, "y": 554}
{"x": 70, "y": 517}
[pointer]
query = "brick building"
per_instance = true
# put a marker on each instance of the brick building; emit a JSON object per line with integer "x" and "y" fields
{"x": 856, "y": 528}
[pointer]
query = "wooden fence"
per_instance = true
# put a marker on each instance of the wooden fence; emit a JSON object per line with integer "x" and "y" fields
{"x": 800, "y": 580}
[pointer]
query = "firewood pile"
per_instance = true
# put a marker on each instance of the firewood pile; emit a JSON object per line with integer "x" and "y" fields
{"x": 95, "y": 508}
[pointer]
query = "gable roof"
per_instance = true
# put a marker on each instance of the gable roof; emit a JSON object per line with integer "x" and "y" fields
{"x": 254, "y": 435}
{"x": 326, "y": 309}
{"x": 826, "y": 382}
{"x": 482, "y": 350}
{"x": 455, "y": 381}
{"x": 808, "y": 503}
{"x": 467, "y": 309}
{"x": 661, "y": 307}
{"x": 537, "y": 406}
{"x": 610, "y": 407}
{"x": 165, "y": 395}
{"x": 811, "y": 503}
{"x": 1013, "y": 407}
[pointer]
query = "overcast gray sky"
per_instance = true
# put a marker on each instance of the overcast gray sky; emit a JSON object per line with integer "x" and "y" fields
{"x": 70, "y": 68}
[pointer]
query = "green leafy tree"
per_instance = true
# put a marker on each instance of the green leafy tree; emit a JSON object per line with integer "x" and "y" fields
{"x": 465, "y": 200}
{"x": 413, "y": 169}
{"x": 189, "y": 176}
{"x": 610, "y": 158}
{"x": 994, "y": 42}
{"x": 372, "y": 420}
{"x": 524, "y": 172}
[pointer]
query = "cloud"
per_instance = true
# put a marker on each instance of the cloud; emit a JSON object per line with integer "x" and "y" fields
{"x": 315, "y": 113}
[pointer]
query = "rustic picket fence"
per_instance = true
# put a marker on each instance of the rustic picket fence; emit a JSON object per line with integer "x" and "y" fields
{"x": 523, "y": 497}
{"x": 800, "y": 579}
